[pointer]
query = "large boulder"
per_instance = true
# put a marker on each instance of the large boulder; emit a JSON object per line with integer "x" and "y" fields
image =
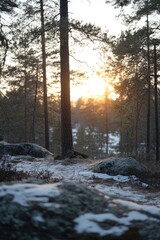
{"x": 70, "y": 212}
{"x": 121, "y": 166}
{"x": 23, "y": 149}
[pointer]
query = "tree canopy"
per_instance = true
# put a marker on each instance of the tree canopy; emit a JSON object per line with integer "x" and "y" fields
{"x": 7, "y": 5}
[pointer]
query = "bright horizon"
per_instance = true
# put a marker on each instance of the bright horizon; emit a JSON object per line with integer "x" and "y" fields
{"x": 94, "y": 87}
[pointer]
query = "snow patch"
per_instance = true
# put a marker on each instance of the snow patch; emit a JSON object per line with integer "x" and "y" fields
{"x": 38, "y": 218}
{"x": 88, "y": 223}
{"x": 80, "y": 173}
{"x": 104, "y": 176}
{"x": 145, "y": 208}
{"x": 25, "y": 193}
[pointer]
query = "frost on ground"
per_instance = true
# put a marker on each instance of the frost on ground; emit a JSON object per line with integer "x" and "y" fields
{"x": 89, "y": 222}
{"x": 126, "y": 187}
{"x": 68, "y": 211}
{"x": 110, "y": 207}
{"x": 25, "y": 193}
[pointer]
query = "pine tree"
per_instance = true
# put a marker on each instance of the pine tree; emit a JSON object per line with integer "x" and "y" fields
{"x": 45, "y": 101}
{"x": 6, "y": 6}
{"x": 66, "y": 128}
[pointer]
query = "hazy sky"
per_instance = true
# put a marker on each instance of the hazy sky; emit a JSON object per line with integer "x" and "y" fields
{"x": 103, "y": 15}
{"x": 96, "y": 12}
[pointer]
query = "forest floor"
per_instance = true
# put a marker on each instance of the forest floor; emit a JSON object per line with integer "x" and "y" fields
{"x": 79, "y": 171}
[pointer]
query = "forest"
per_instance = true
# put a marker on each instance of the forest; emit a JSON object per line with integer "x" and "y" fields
{"x": 35, "y": 104}
{"x": 77, "y": 163}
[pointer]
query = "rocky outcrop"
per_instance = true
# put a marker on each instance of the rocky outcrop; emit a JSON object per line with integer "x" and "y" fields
{"x": 30, "y": 149}
{"x": 70, "y": 212}
{"x": 121, "y": 166}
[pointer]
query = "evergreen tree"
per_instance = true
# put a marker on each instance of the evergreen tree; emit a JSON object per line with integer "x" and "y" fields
{"x": 144, "y": 9}
{"x": 66, "y": 128}
{"x": 45, "y": 100}
{"x": 6, "y": 6}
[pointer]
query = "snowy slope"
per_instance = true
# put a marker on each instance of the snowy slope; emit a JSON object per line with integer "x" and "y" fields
{"x": 128, "y": 188}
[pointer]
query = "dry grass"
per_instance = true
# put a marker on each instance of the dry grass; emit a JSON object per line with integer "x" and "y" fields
{"x": 10, "y": 174}
{"x": 153, "y": 179}
{"x": 152, "y": 165}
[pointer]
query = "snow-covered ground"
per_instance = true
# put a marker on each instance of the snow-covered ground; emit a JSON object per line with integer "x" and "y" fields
{"x": 127, "y": 191}
{"x": 118, "y": 186}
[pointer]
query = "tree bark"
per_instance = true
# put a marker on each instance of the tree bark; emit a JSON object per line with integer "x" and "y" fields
{"x": 25, "y": 103}
{"x": 66, "y": 128}
{"x": 45, "y": 101}
{"x": 156, "y": 103}
{"x": 149, "y": 88}
{"x": 32, "y": 134}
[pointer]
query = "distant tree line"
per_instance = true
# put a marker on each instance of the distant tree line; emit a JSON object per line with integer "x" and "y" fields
{"x": 36, "y": 51}
{"x": 136, "y": 64}
{"x": 133, "y": 61}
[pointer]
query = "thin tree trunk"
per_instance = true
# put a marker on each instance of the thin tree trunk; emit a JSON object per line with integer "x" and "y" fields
{"x": 156, "y": 103}
{"x": 34, "y": 109}
{"x": 66, "y": 128}
{"x": 137, "y": 114}
{"x": 136, "y": 129}
{"x": 106, "y": 125}
{"x": 149, "y": 88}
{"x": 44, "y": 78}
{"x": 25, "y": 103}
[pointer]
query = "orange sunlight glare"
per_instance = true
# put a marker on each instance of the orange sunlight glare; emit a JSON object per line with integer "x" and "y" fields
{"x": 94, "y": 87}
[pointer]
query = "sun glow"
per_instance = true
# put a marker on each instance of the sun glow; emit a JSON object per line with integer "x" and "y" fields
{"x": 95, "y": 83}
{"x": 91, "y": 88}
{"x": 94, "y": 87}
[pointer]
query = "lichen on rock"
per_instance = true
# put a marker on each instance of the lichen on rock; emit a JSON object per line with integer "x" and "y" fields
{"x": 72, "y": 211}
{"x": 30, "y": 149}
{"x": 121, "y": 166}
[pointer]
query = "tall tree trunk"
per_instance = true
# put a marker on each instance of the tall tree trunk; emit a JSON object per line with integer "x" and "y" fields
{"x": 32, "y": 135}
{"x": 25, "y": 103}
{"x": 156, "y": 103}
{"x": 107, "y": 125}
{"x": 137, "y": 113}
{"x": 149, "y": 87}
{"x": 45, "y": 100}
{"x": 66, "y": 128}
